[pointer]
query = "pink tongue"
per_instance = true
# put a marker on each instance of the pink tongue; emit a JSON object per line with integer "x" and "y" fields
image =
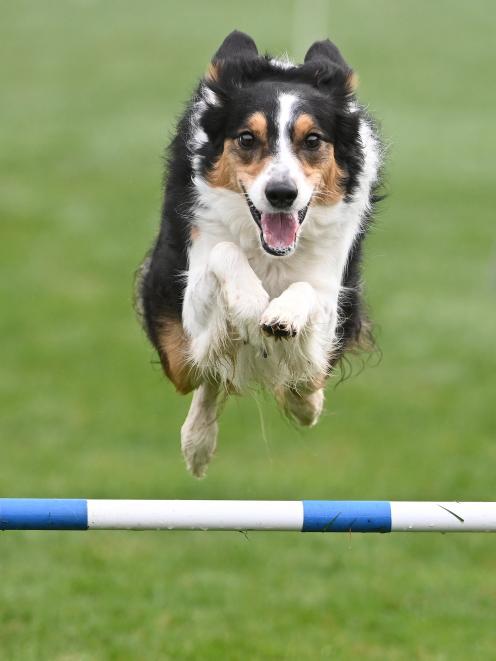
{"x": 279, "y": 229}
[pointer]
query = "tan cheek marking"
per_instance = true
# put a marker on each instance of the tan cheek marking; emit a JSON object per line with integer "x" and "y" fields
{"x": 248, "y": 172}
{"x": 230, "y": 169}
{"x": 194, "y": 233}
{"x": 327, "y": 177}
{"x": 223, "y": 173}
{"x": 174, "y": 347}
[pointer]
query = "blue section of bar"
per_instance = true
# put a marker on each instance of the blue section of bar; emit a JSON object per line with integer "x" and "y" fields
{"x": 43, "y": 514}
{"x": 346, "y": 516}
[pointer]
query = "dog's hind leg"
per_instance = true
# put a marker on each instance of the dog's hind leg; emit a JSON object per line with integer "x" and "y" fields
{"x": 199, "y": 431}
{"x": 304, "y": 405}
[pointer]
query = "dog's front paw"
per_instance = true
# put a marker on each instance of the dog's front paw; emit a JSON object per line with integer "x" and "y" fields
{"x": 280, "y": 321}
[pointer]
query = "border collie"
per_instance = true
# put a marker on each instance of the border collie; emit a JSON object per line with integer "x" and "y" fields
{"x": 254, "y": 278}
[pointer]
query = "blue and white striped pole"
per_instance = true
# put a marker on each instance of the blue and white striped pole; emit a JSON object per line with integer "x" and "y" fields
{"x": 297, "y": 515}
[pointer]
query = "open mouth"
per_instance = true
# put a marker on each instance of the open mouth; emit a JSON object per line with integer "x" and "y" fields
{"x": 278, "y": 231}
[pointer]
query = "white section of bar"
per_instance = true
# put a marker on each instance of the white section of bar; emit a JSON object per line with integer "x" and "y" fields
{"x": 443, "y": 516}
{"x": 195, "y": 514}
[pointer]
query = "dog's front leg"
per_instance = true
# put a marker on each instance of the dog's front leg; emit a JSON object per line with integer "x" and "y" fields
{"x": 243, "y": 295}
{"x": 222, "y": 295}
{"x": 306, "y": 320}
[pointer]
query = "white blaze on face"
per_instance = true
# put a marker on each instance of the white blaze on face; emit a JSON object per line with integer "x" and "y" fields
{"x": 280, "y": 228}
{"x": 284, "y": 164}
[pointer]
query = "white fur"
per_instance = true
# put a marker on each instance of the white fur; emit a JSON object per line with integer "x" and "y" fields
{"x": 283, "y": 62}
{"x": 199, "y": 431}
{"x": 223, "y": 304}
{"x": 197, "y": 136}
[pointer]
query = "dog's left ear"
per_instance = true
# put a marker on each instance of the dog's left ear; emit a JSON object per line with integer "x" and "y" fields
{"x": 327, "y": 52}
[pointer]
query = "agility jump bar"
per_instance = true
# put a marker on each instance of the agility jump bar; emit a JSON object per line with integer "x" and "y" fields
{"x": 291, "y": 515}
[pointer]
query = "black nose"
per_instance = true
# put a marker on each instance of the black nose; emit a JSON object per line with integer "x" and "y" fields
{"x": 281, "y": 194}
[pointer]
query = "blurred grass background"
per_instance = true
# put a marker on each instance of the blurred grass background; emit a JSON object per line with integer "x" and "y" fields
{"x": 90, "y": 92}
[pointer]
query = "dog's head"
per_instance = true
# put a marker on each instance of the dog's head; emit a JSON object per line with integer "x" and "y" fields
{"x": 284, "y": 137}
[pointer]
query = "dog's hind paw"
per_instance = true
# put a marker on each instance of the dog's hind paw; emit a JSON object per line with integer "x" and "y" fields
{"x": 304, "y": 408}
{"x": 198, "y": 443}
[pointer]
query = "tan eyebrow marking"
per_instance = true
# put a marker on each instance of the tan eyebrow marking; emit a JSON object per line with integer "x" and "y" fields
{"x": 257, "y": 124}
{"x": 304, "y": 124}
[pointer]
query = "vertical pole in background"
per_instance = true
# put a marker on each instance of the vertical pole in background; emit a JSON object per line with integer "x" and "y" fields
{"x": 310, "y": 22}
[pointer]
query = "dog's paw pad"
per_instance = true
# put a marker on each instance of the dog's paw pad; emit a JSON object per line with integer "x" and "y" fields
{"x": 279, "y": 329}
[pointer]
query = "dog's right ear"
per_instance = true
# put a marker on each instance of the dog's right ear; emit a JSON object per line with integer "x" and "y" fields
{"x": 236, "y": 45}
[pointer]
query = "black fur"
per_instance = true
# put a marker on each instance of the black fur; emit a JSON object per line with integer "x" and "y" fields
{"x": 162, "y": 285}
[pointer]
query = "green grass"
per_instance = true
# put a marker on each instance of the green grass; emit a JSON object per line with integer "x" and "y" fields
{"x": 89, "y": 94}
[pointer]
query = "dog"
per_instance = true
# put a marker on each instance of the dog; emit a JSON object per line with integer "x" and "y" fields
{"x": 254, "y": 278}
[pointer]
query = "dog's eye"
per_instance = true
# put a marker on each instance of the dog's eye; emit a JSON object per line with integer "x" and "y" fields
{"x": 246, "y": 140}
{"x": 312, "y": 141}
